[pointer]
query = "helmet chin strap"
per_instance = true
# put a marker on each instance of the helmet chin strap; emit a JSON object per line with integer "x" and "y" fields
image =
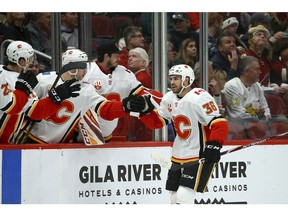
{"x": 73, "y": 75}
{"x": 24, "y": 68}
{"x": 183, "y": 88}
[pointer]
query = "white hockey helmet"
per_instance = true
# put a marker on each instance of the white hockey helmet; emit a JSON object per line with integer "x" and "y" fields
{"x": 184, "y": 71}
{"x": 74, "y": 55}
{"x": 19, "y": 49}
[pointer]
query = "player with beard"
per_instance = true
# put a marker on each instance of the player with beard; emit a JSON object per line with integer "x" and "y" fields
{"x": 116, "y": 82}
{"x": 200, "y": 129}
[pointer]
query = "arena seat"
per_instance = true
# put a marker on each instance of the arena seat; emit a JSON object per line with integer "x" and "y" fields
{"x": 237, "y": 131}
{"x": 276, "y": 105}
{"x": 257, "y": 130}
{"x": 278, "y": 128}
{"x": 102, "y": 26}
{"x": 122, "y": 20}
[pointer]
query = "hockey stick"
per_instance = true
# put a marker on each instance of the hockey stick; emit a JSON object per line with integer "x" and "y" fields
{"x": 22, "y": 137}
{"x": 167, "y": 164}
{"x": 90, "y": 128}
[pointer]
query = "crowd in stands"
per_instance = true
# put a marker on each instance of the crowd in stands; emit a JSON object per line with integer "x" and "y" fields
{"x": 247, "y": 53}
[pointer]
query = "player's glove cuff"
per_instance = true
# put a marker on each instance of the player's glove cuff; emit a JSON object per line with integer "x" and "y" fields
{"x": 212, "y": 151}
{"x": 24, "y": 86}
{"x": 148, "y": 105}
{"x": 133, "y": 103}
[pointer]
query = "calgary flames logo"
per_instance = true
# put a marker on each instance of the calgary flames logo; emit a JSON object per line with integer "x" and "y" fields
{"x": 97, "y": 85}
{"x": 169, "y": 106}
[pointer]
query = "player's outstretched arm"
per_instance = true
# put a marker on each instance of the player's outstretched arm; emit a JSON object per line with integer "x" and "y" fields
{"x": 134, "y": 103}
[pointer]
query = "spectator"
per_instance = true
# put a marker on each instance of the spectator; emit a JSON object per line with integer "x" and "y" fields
{"x": 34, "y": 66}
{"x": 197, "y": 74}
{"x": 194, "y": 19}
{"x": 138, "y": 63}
{"x": 216, "y": 85}
{"x": 17, "y": 27}
{"x": 133, "y": 38}
{"x": 264, "y": 19}
{"x": 231, "y": 25}
{"x": 181, "y": 30}
{"x": 260, "y": 48}
{"x": 69, "y": 30}
{"x": 279, "y": 21}
{"x": 243, "y": 19}
{"x": 279, "y": 63}
{"x": 244, "y": 95}
{"x": 215, "y": 22}
{"x": 170, "y": 55}
{"x": 3, "y": 25}
{"x": 188, "y": 53}
{"x": 39, "y": 28}
{"x": 261, "y": 18}
{"x": 227, "y": 57}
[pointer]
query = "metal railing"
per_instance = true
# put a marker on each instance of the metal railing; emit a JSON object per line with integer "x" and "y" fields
{"x": 4, "y": 45}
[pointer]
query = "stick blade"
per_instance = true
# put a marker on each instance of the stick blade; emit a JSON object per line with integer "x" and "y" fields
{"x": 161, "y": 160}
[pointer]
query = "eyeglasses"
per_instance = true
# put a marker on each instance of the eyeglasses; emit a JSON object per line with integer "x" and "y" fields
{"x": 138, "y": 36}
{"x": 178, "y": 21}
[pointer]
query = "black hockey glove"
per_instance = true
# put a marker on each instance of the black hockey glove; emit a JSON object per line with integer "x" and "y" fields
{"x": 148, "y": 105}
{"x": 64, "y": 91}
{"x": 212, "y": 152}
{"x": 133, "y": 103}
{"x": 26, "y": 82}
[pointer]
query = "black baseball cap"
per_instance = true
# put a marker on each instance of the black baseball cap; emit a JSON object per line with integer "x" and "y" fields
{"x": 108, "y": 47}
{"x": 181, "y": 16}
{"x": 260, "y": 18}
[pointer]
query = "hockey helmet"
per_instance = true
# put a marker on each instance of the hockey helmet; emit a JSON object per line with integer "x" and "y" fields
{"x": 184, "y": 71}
{"x": 19, "y": 49}
{"x": 74, "y": 55}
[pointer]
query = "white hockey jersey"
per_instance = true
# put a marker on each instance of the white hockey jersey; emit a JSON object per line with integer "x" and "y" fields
{"x": 242, "y": 101}
{"x": 59, "y": 128}
{"x": 6, "y": 93}
{"x": 10, "y": 124}
{"x": 193, "y": 117}
{"x": 115, "y": 86}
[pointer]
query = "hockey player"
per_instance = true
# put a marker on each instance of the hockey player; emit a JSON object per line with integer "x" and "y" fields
{"x": 59, "y": 128}
{"x": 116, "y": 82}
{"x": 200, "y": 129}
{"x": 17, "y": 98}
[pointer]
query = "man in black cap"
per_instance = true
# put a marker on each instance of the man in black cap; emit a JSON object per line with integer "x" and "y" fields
{"x": 181, "y": 30}
{"x": 261, "y": 19}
